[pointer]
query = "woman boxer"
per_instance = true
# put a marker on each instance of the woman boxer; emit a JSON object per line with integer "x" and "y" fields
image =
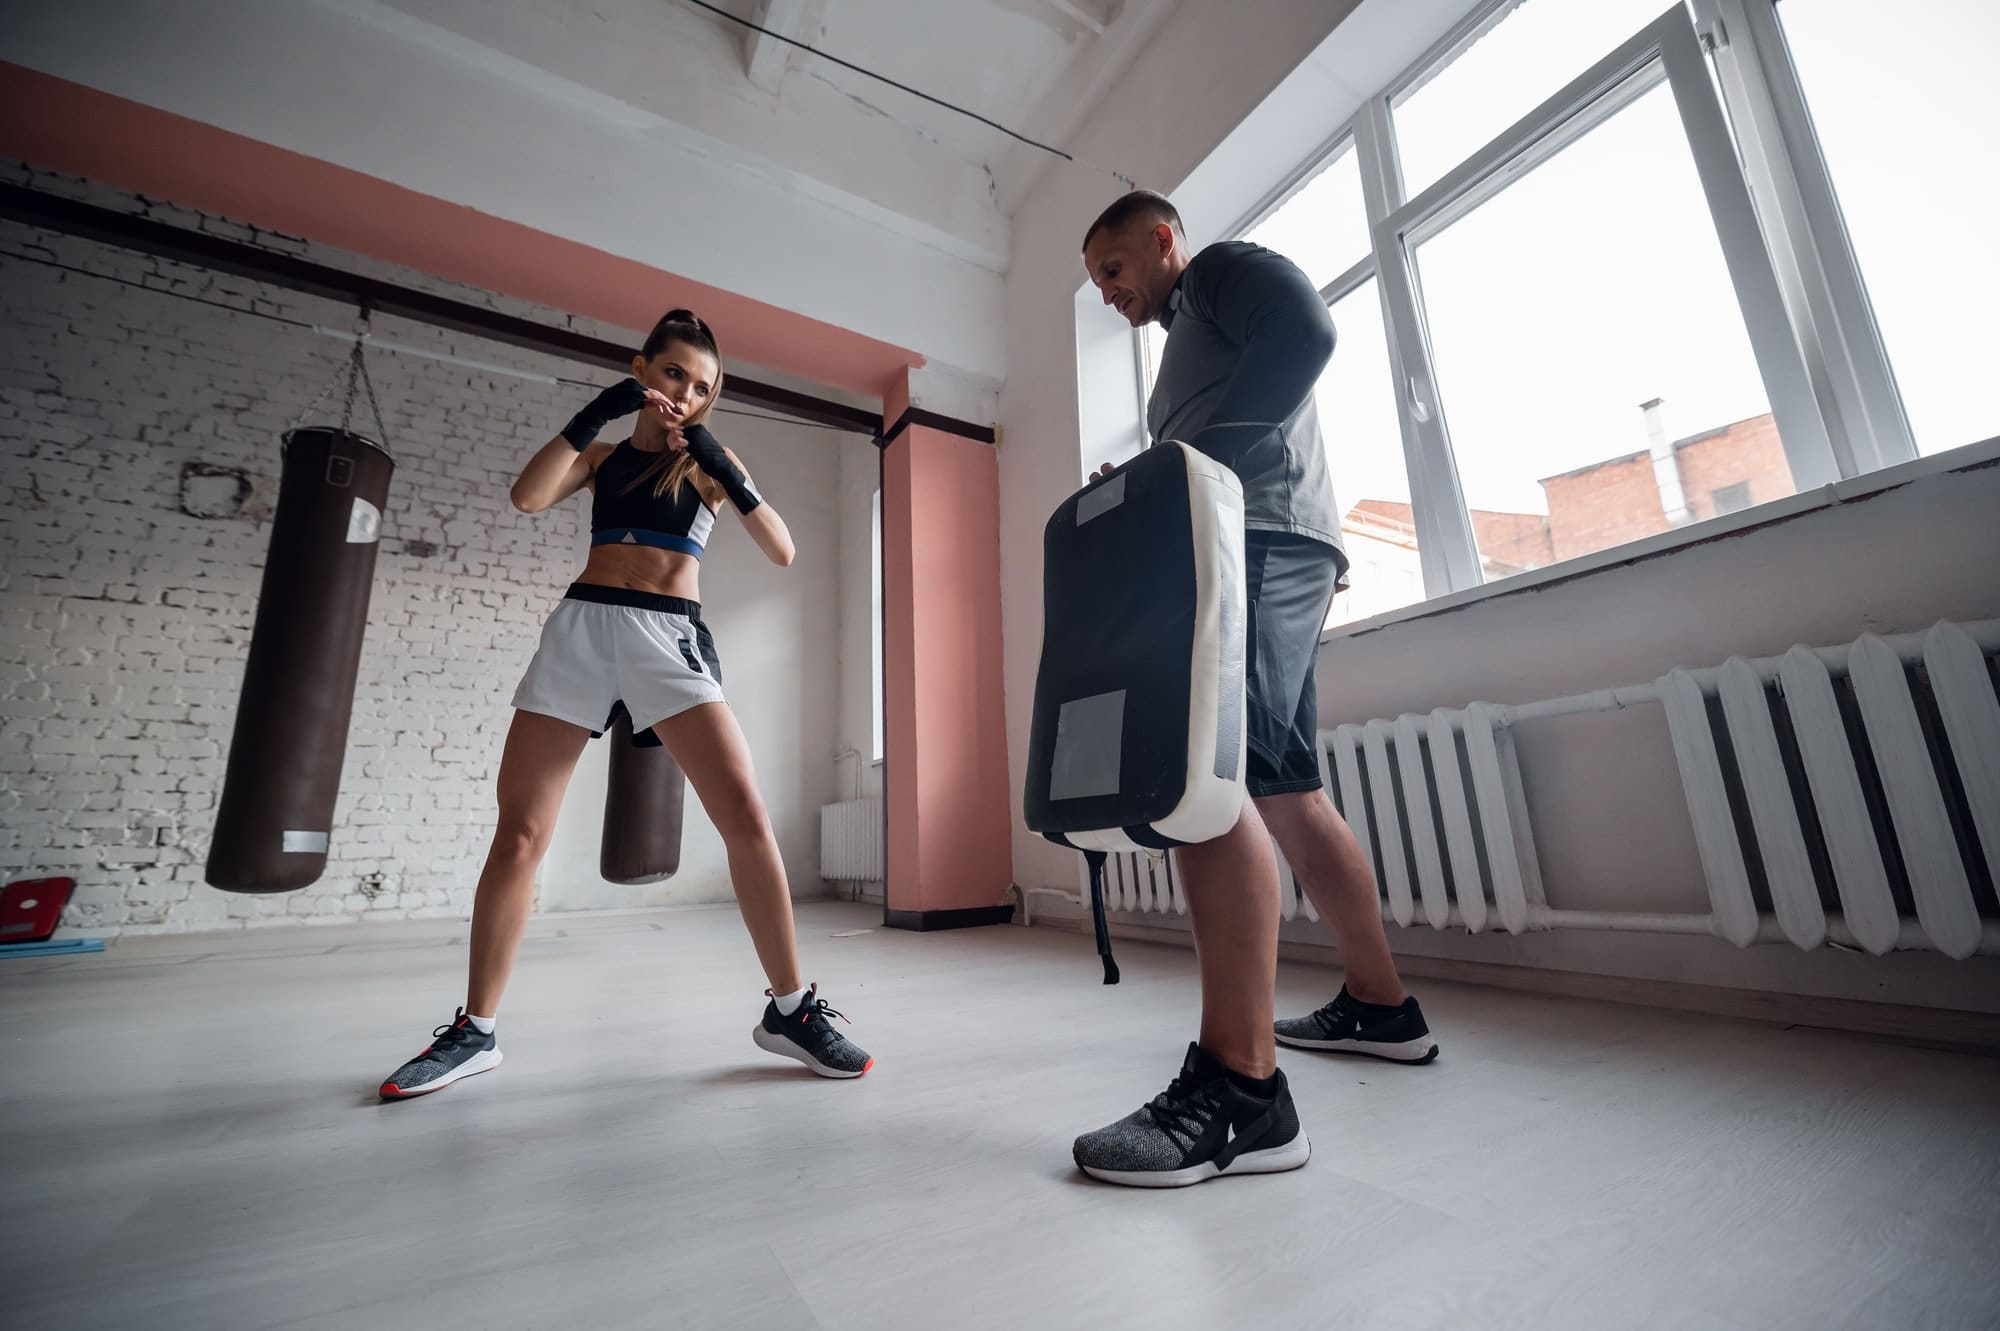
{"x": 629, "y": 634}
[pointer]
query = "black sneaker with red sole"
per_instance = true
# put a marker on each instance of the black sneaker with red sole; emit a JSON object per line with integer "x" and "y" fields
{"x": 457, "y": 1050}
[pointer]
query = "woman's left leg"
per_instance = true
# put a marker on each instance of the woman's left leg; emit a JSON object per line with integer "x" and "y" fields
{"x": 709, "y": 746}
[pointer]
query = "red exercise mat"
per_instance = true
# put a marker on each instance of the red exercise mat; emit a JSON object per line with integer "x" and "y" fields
{"x": 30, "y": 908}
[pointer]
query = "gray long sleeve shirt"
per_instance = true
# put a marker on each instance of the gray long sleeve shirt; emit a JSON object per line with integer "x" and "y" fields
{"x": 1247, "y": 339}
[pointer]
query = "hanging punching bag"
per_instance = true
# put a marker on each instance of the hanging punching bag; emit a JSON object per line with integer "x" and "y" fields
{"x": 298, "y": 685}
{"x": 276, "y": 814}
{"x": 643, "y": 800}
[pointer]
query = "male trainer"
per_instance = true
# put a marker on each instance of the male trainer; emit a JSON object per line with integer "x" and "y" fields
{"x": 1247, "y": 339}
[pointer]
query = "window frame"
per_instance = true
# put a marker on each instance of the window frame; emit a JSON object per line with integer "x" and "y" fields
{"x": 1665, "y": 50}
{"x": 1344, "y": 140}
{"x": 1798, "y": 285}
{"x": 1806, "y": 234}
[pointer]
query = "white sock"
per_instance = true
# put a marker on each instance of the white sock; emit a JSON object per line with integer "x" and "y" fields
{"x": 788, "y": 1003}
{"x": 484, "y": 1025}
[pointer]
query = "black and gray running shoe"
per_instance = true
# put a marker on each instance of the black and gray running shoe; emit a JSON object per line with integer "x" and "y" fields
{"x": 1345, "y": 1026}
{"x": 1201, "y": 1127}
{"x": 808, "y": 1035}
{"x": 457, "y": 1049}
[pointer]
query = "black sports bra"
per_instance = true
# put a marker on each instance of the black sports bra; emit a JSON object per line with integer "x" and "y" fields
{"x": 625, "y": 514}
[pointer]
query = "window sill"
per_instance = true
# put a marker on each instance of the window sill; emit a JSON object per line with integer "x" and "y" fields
{"x": 1778, "y": 510}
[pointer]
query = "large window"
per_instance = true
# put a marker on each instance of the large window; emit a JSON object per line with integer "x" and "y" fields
{"x": 1355, "y": 399}
{"x": 1321, "y": 224}
{"x": 1152, "y": 344}
{"x": 1604, "y": 269}
{"x": 1906, "y": 107}
{"x": 1323, "y": 228}
{"x": 1499, "y": 70}
{"x": 1364, "y": 453}
{"x": 1588, "y": 345}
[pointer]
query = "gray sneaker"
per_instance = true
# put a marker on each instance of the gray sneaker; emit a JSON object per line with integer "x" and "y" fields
{"x": 1201, "y": 1127}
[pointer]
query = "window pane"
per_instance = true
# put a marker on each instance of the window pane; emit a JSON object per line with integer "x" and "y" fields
{"x": 1364, "y": 452}
{"x": 1903, "y": 98}
{"x": 1324, "y": 227}
{"x": 1152, "y": 345}
{"x": 1596, "y": 380}
{"x": 1530, "y": 50}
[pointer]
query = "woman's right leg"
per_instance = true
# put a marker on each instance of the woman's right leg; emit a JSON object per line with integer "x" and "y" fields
{"x": 535, "y": 768}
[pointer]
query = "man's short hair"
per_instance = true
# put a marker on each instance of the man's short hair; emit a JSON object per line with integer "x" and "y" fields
{"x": 1140, "y": 205}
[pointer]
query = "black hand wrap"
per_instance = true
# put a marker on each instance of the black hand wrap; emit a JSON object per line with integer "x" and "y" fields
{"x": 621, "y": 399}
{"x": 708, "y": 454}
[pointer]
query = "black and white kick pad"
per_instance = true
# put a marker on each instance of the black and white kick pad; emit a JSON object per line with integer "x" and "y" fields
{"x": 1137, "y": 739}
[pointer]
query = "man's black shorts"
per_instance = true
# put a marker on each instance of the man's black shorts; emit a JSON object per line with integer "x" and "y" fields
{"x": 1290, "y": 581}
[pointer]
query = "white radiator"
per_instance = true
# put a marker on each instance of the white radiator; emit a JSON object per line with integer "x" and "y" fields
{"x": 851, "y": 846}
{"x": 1825, "y": 786}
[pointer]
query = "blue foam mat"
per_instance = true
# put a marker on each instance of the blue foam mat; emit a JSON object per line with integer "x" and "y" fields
{"x": 63, "y": 947}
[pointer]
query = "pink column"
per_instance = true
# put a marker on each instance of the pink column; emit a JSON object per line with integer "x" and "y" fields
{"x": 950, "y": 852}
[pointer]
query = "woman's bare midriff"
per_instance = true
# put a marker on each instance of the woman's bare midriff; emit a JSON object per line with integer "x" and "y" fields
{"x": 644, "y": 568}
{"x": 647, "y": 568}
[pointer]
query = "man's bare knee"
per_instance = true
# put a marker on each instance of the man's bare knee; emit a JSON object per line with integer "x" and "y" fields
{"x": 1281, "y": 813}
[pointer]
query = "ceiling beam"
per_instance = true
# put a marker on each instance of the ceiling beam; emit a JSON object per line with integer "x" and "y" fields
{"x": 219, "y": 254}
{"x": 764, "y": 56}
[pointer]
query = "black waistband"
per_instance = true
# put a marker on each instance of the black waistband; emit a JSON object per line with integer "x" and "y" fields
{"x": 632, "y": 598}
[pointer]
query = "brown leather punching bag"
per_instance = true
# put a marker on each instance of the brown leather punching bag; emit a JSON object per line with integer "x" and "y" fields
{"x": 643, "y": 800}
{"x": 276, "y": 814}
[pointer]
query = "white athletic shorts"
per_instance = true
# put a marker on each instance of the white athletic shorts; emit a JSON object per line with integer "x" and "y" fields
{"x": 608, "y": 645}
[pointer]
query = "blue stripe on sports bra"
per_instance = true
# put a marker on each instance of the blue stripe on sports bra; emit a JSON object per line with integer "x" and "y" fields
{"x": 659, "y": 540}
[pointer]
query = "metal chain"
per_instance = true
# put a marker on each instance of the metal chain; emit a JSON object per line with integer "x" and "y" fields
{"x": 381, "y": 430}
{"x": 353, "y": 382}
{"x": 313, "y": 406}
{"x": 357, "y": 377}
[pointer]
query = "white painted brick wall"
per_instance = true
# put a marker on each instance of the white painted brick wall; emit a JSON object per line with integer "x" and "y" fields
{"x": 126, "y": 621}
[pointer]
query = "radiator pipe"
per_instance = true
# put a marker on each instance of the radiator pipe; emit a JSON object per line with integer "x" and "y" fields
{"x": 1911, "y": 938}
{"x": 1545, "y": 919}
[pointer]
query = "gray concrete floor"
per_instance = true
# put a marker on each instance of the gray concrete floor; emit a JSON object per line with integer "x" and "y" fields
{"x": 189, "y": 1137}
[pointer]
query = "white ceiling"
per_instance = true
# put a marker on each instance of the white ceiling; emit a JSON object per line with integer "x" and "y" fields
{"x": 673, "y": 71}
{"x": 654, "y": 131}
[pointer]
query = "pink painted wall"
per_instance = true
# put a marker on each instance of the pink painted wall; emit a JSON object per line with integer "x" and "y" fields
{"x": 63, "y": 126}
{"x": 899, "y": 661}
{"x": 950, "y": 842}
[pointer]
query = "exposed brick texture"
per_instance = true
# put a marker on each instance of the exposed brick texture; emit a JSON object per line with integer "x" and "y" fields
{"x": 140, "y": 437}
{"x": 1745, "y": 452}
